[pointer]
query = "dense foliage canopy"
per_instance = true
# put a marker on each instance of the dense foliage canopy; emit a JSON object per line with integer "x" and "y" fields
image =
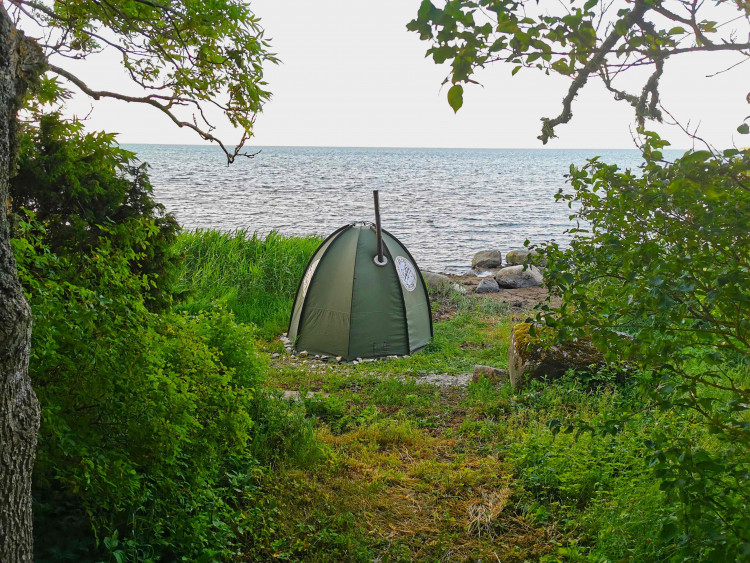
{"x": 153, "y": 421}
{"x": 84, "y": 188}
{"x": 146, "y": 414}
{"x": 658, "y": 277}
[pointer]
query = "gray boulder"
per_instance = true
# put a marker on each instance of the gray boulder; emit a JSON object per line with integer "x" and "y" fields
{"x": 488, "y": 285}
{"x": 515, "y": 277}
{"x": 436, "y": 282}
{"x": 485, "y": 259}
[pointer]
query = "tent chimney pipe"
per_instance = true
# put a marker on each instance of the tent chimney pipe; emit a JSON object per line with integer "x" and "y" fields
{"x": 380, "y": 259}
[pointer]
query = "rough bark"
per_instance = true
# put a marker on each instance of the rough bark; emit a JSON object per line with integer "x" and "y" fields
{"x": 21, "y": 61}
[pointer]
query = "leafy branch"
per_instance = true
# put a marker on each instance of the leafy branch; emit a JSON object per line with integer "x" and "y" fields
{"x": 583, "y": 38}
{"x": 181, "y": 54}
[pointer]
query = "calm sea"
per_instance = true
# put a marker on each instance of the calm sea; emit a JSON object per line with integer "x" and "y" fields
{"x": 444, "y": 204}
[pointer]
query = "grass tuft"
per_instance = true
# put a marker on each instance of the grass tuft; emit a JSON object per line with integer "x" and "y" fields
{"x": 255, "y": 277}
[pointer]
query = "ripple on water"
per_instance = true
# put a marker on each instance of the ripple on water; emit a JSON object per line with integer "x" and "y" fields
{"x": 444, "y": 204}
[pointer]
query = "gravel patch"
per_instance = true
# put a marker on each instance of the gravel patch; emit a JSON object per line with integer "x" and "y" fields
{"x": 445, "y": 379}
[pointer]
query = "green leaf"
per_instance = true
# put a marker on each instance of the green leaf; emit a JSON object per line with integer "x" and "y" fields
{"x": 743, "y": 129}
{"x": 426, "y": 10}
{"x": 590, "y": 4}
{"x": 456, "y": 97}
{"x": 561, "y": 66}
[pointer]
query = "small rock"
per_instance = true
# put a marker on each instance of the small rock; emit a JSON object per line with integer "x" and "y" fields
{"x": 516, "y": 277}
{"x": 495, "y": 375}
{"x": 296, "y": 395}
{"x": 436, "y": 282}
{"x": 458, "y": 287}
{"x": 303, "y": 354}
{"x": 285, "y": 335}
{"x": 487, "y": 259}
{"x": 339, "y": 359}
{"x": 488, "y": 285}
{"x": 469, "y": 273}
{"x": 275, "y": 355}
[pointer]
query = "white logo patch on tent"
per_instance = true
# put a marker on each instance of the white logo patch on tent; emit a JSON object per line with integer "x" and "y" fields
{"x": 407, "y": 273}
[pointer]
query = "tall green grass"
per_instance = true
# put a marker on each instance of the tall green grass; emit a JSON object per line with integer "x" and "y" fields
{"x": 255, "y": 277}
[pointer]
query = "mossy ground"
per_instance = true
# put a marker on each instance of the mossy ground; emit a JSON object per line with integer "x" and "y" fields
{"x": 410, "y": 472}
{"x": 405, "y": 471}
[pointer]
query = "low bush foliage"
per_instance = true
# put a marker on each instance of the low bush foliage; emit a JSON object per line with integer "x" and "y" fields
{"x": 151, "y": 422}
{"x": 663, "y": 256}
{"x": 82, "y": 187}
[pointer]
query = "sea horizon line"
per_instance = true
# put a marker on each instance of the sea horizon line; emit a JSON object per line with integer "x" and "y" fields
{"x": 251, "y": 148}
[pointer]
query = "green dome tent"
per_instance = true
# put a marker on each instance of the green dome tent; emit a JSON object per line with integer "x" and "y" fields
{"x": 350, "y": 305}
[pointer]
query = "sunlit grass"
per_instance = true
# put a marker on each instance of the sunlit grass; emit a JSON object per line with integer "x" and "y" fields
{"x": 255, "y": 277}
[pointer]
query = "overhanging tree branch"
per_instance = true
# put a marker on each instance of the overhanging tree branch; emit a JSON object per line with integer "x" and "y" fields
{"x": 153, "y": 101}
{"x": 548, "y": 125}
{"x": 177, "y": 54}
{"x": 576, "y": 40}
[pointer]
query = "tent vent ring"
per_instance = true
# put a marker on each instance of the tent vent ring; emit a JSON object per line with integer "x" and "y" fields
{"x": 378, "y": 262}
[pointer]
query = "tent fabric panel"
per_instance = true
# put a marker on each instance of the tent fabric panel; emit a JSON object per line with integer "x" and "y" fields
{"x": 324, "y": 332}
{"x": 416, "y": 299}
{"x": 329, "y": 296}
{"x": 304, "y": 283}
{"x": 378, "y": 323}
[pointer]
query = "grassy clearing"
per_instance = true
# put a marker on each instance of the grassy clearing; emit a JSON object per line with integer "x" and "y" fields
{"x": 389, "y": 469}
{"x": 418, "y": 472}
{"x": 254, "y": 277}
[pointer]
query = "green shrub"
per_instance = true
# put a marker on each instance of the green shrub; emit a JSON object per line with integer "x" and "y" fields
{"x": 149, "y": 421}
{"x": 82, "y": 187}
{"x": 664, "y": 255}
{"x": 596, "y": 487}
{"x": 256, "y": 278}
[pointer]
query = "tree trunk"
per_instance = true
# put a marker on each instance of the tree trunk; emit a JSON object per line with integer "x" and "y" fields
{"x": 21, "y": 61}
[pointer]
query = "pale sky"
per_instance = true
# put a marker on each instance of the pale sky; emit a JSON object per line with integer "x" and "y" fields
{"x": 351, "y": 75}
